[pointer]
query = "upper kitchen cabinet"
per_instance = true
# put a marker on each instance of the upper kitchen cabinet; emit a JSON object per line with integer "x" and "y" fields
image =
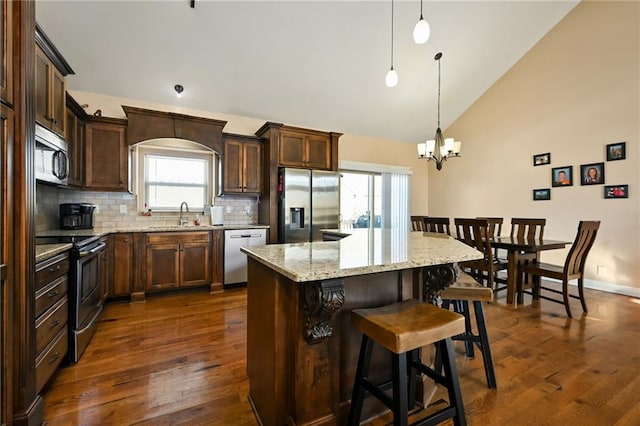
{"x": 105, "y": 154}
{"x": 50, "y": 70}
{"x": 242, "y": 172}
{"x": 6, "y": 53}
{"x": 305, "y": 149}
{"x": 75, "y": 136}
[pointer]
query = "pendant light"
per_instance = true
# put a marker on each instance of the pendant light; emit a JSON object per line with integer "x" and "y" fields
{"x": 439, "y": 148}
{"x": 392, "y": 76}
{"x": 422, "y": 30}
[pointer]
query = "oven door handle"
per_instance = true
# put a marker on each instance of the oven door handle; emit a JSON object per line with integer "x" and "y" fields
{"x": 93, "y": 250}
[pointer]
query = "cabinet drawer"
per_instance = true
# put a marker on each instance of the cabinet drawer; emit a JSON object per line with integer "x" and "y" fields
{"x": 50, "y": 294}
{"x": 178, "y": 237}
{"x": 50, "y": 323}
{"x": 51, "y": 269}
{"x": 50, "y": 359}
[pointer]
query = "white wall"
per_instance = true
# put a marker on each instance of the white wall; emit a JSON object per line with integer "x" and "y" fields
{"x": 573, "y": 93}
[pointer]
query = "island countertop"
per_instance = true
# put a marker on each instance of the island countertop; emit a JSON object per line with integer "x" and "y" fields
{"x": 366, "y": 251}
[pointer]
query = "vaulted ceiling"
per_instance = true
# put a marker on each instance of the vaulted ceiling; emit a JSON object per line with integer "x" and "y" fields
{"x": 319, "y": 64}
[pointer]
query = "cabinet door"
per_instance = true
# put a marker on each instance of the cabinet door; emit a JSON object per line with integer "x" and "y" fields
{"x": 292, "y": 149}
{"x": 75, "y": 142}
{"x": 318, "y": 152}
{"x": 6, "y": 53}
{"x": 233, "y": 169}
{"x": 6, "y": 142}
{"x": 194, "y": 264}
{"x": 105, "y": 157}
{"x": 43, "y": 88}
{"x": 57, "y": 102}
{"x": 252, "y": 167}
{"x": 163, "y": 266}
{"x": 122, "y": 271}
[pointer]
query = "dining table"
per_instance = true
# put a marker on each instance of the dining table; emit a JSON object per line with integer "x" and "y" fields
{"x": 519, "y": 249}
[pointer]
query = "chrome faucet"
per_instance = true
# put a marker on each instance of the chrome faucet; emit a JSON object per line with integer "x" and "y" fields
{"x": 182, "y": 221}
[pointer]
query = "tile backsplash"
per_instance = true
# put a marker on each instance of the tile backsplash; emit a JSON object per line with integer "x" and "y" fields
{"x": 239, "y": 210}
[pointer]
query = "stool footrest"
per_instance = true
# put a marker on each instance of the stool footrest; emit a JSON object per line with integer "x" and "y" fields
{"x": 437, "y": 417}
{"x": 427, "y": 371}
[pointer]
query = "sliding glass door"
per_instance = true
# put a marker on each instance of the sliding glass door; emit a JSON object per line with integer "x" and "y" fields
{"x": 360, "y": 199}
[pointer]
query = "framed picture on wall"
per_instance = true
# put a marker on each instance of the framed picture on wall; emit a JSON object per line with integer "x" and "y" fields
{"x": 541, "y": 194}
{"x": 616, "y": 151}
{"x": 592, "y": 174}
{"x": 542, "y": 159}
{"x": 616, "y": 191}
{"x": 562, "y": 176}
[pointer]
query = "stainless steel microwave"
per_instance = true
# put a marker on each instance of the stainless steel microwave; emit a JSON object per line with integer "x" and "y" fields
{"x": 52, "y": 159}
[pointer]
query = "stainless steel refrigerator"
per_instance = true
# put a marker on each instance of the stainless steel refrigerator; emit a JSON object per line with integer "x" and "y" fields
{"x": 309, "y": 202}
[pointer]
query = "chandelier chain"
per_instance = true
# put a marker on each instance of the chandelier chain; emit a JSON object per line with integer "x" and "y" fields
{"x": 438, "y": 93}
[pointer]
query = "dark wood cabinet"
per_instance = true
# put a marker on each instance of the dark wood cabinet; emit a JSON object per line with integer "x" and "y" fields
{"x": 6, "y": 52}
{"x": 121, "y": 265}
{"x": 177, "y": 259}
{"x": 242, "y": 165}
{"x": 50, "y": 94}
{"x": 105, "y": 155}
{"x": 306, "y": 150}
{"x": 75, "y": 136}
{"x": 51, "y": 316}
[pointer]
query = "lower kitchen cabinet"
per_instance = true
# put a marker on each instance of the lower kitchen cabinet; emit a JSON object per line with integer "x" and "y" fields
{"x": 177, "y": 259}
{"x": 52, "y": 313}
{"x": 121, "y": 264}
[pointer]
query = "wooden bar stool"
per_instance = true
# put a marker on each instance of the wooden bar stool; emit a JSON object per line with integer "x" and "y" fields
{"x": 403, "y": 328}
{"x": 465, "y": 290}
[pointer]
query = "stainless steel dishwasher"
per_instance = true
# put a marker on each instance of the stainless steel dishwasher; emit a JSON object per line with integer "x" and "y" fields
{"x": 235, "y": 261}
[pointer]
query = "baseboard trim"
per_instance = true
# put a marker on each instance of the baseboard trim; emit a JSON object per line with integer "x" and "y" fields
{"x": 597, "y": 285}
{"x": 607, "y": 287}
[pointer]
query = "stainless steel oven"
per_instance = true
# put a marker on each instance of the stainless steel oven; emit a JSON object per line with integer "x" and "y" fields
{"x": 86, "y": 299}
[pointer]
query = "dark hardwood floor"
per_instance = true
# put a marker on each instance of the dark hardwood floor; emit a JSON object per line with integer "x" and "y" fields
{"x": 181, "y": 359}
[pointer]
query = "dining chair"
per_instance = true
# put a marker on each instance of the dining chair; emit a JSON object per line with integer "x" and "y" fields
{"x": 527, "y": 228}
{"x": 474, "y": 233}
{"x": 439, "y": 225}
{"x": 573, "y": 268}
{"x": 495, "y": 230}
{"x": 417, "y": 223}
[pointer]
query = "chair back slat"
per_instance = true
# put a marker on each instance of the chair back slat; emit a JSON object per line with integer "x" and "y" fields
{"x": 474, "y": 232}
{"x": 577, "y": 257}
{"x": 417, "y": 223}
{"x": 528, "y": 229}
{"x": 495, "y": 225}
{"x": 439, "y": 225}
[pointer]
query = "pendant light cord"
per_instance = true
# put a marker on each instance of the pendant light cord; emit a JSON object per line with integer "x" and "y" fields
{"x": 391, "y": 34}
{"x": 421, "y": 10}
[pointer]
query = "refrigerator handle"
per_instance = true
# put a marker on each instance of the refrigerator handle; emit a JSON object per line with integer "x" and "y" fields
{"x": 297, "y": 217}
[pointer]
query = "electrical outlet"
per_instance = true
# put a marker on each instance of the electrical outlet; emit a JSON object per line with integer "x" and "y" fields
{"x": 601, "y": 270}
{"x": 229, "y": 209}
{"x": 247, "y": 210}
{"x": 123, "y": 208}
{"x": 97, "y": 209}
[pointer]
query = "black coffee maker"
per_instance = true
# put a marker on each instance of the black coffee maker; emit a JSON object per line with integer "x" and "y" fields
{"x": 76, "y": 215}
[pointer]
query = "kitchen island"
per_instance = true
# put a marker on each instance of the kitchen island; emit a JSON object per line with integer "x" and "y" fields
{"x": 301, "y": 348}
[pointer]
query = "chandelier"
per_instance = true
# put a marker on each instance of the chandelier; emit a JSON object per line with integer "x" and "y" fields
{"x": 439, "y": 148}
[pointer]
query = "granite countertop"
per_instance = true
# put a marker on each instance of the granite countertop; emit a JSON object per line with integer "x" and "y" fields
{"x": 364, "y": 252}
{"x": 45, "y": 251}
{"x": 99, "y": 232}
